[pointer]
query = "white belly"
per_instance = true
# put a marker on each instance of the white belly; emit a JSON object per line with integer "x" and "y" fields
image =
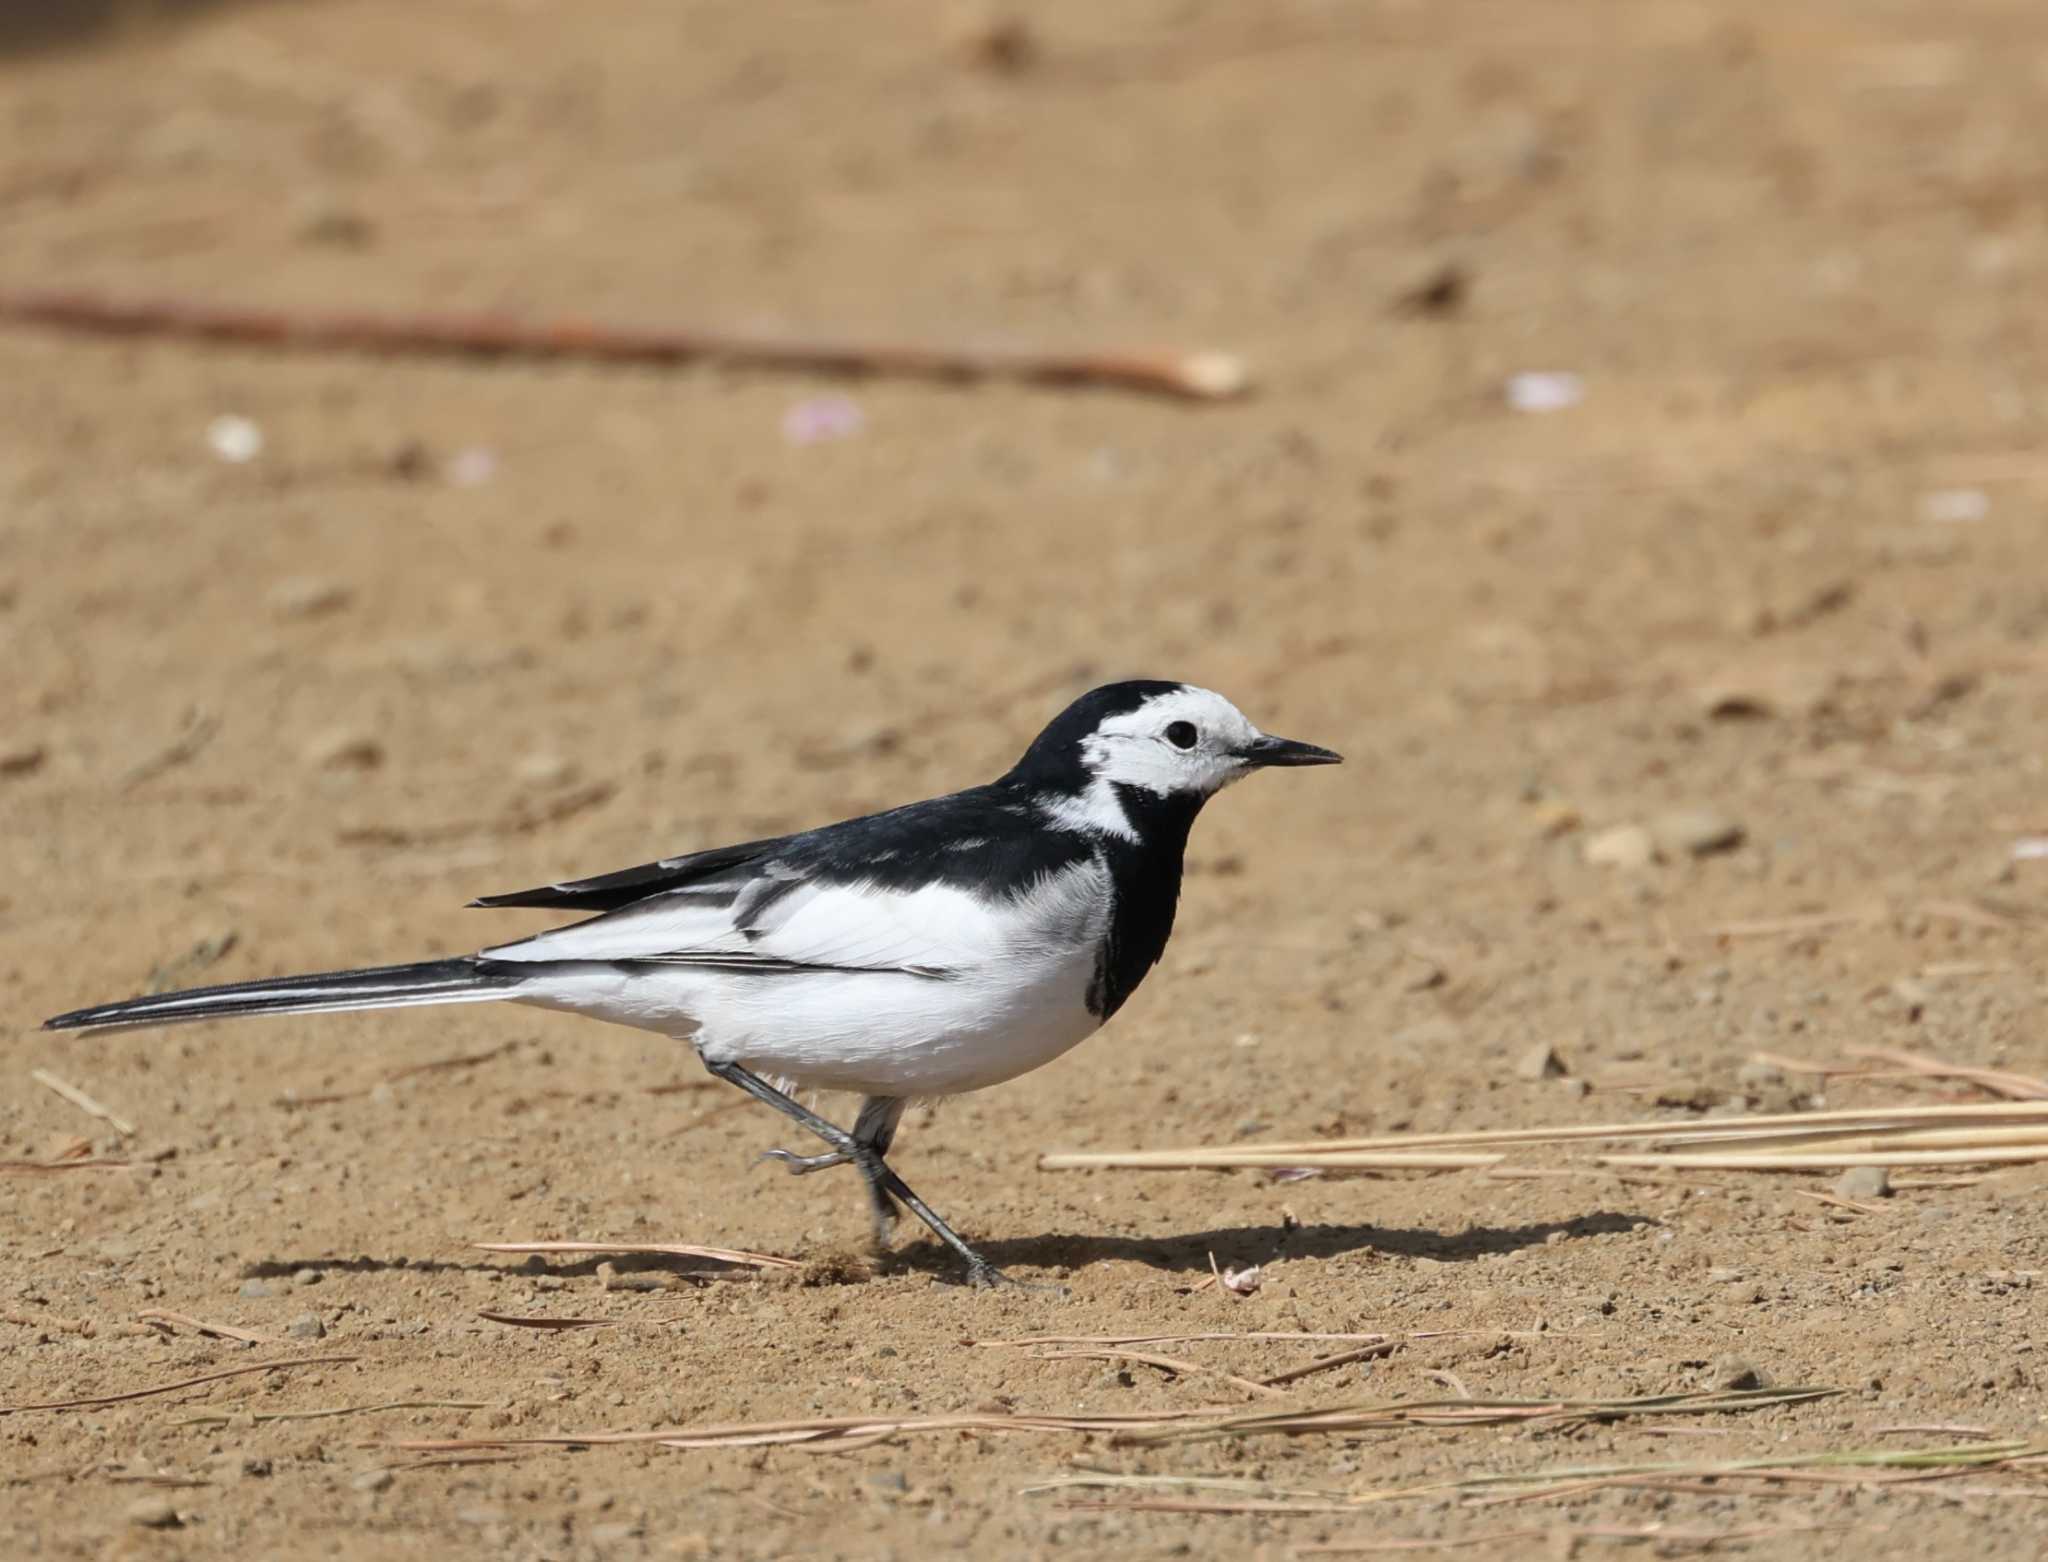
{"x": 1013, "y": 998}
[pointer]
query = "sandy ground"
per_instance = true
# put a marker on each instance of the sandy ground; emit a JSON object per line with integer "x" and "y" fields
{"x": 463, "y": 627}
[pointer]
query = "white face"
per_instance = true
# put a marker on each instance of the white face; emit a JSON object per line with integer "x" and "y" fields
{"x": 1188, "y": 741}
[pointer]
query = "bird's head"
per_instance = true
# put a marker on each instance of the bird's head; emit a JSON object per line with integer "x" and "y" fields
{"x": 1148, "y": 742}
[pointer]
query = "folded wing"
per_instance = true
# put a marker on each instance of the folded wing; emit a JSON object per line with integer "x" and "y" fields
{"x": 775, "y": 920}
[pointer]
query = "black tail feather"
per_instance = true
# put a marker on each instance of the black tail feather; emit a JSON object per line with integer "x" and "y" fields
{"x": 463, "y": 980}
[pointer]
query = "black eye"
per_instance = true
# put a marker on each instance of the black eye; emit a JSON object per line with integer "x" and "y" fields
{"x": 1182, "y": 734}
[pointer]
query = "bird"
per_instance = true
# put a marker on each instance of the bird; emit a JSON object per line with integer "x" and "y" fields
{"x": 923, "y": 952}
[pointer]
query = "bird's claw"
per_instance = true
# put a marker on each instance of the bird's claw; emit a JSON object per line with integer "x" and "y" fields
{"x": 800, "y": 1164}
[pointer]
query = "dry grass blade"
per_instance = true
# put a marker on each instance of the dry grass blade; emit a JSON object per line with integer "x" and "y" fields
{"x": 1664, "y": 1535}
{"x": 1361, "y": 1548}
{"x": 443, "y": 1065}
{"x": 1169, "y": 1364}
{"x": 1181, "y": 1339}
{"x": 1474, "y": 1412}
{"x": 1341, "y": 1359}
{"x": 1268, "y": 1507}
{"x": 512, "y": 1320}
{"x": 1901, "y": 1135}
{"x": 2019, "y": 1087}
{"x": 182, "y": 1383}
{"x": 1820, "y": 1160}
{"x": 225, "y": 1331}
{"x": 818, "y": 1430}
{"x": 1930, "y": 1463}
{"x": 716, "y": 1255}
{"x": 1101, "y": 1480}
{"x": 81, "y": 1100}
{"x": 264, "y": 1417}
{"x": 67, "y": 1163}
{"x": 1200, "y": 375}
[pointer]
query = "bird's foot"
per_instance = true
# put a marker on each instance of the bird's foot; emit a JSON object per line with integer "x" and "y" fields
{"x": 799, "y": 1164}
{"x": 984, "y": 1276}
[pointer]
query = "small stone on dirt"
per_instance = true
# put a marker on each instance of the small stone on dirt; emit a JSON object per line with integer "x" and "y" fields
{"x": 343, "y": 748}
{"x": 373, "y": 1480}
{"x": 1629, "y": 846}
{"x": 307, "y": 1277}
{"x": 1864, "y": 1182}
{"x": 1696, "y": 832}
{"x": 1732, "y": 1371}
{"x": 154, "y": 1513}
{"x": 22, "y": 760}
{"x": 309, "y": 597}
{"x": 254, "y": 1289}
{"x": 307, "y": 1326}
{"x": 1541, "y": 1062}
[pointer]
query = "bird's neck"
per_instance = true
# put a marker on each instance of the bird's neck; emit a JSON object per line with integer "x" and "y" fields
{"x": 1144, "y": 870}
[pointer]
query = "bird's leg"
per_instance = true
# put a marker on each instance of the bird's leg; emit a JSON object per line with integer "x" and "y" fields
{"x": 882, "y": 1182}
{"x": 874, "y": 1127}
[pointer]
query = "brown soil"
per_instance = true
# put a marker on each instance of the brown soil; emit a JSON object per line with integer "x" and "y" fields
{"x": 313, "y": 702}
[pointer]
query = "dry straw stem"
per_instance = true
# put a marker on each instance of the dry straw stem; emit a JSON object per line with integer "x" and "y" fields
{"x": 1666, "y": 1536}
{"x": 512, "y": 1320}
{"x": 1907, "y": 1468}
{"x": 63, "y": 1164}
{"x": 262, "y": 1417}
{"x": 81, "y": 1100}
{"x": 182, "y": 1383}
{"x": 225, "y": 1331}
{"x": 1206, "y": 1337}
{"x": 840, "y": 1433}
{"x": 1477, "y": 1412}
{"x": 716, "y": 1255}
{"x": 1874, "y": 1136}
{"x": 1202, "y": 376}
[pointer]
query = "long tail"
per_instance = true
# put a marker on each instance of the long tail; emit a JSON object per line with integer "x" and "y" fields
{"x": 464, "y": 980}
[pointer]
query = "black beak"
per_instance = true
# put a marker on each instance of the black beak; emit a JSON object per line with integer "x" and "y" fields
{"x": 1285, "y": 751}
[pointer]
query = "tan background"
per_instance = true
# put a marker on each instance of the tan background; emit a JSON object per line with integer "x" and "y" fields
{"x": 318, "y": 700}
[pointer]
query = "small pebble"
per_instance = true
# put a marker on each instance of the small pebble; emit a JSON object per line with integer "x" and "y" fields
{"x": 235, "y": 439}
{"x": 1864, "y": 1182}
{"x": 373, "y": 1480}
{"x": 307, "y": 1277}
{"x": 1627, "y": 846}
{"x": 1695, "y": 832}
{"x": 1732, "y": 1371}
{"x": 544, "y": 769}
{"x": 1540, "y": 1062}
{"x": 1541, "y": 391}
{"x": 255, "y": 1288}
{"x": 343, "y": 748}
{"x": 309, "y": 596}
{"x": 154, "y": 1513}
{"x": 23, "y": 760}
{"x": 307, "y": 1326}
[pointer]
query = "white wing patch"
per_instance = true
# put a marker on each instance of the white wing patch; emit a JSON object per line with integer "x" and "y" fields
{"x": 936, "y": 930}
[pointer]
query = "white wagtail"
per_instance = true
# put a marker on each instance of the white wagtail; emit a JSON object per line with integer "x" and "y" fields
{"x": 933, "y": 949}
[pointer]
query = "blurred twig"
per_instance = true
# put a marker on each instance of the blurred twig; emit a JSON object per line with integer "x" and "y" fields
{"x": 1202, "y": 376}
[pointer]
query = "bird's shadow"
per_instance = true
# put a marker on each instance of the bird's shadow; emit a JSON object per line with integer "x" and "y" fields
{"x": 1191, "y": 1252}
{"x": 1187, "y": 1252}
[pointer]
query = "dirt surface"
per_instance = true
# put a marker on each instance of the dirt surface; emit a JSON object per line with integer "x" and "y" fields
{"x": 459, "y": 628}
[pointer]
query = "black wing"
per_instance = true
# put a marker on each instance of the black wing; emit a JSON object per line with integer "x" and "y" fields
{"x": 986, "y": 835}
{"x": 609, "y": 891}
